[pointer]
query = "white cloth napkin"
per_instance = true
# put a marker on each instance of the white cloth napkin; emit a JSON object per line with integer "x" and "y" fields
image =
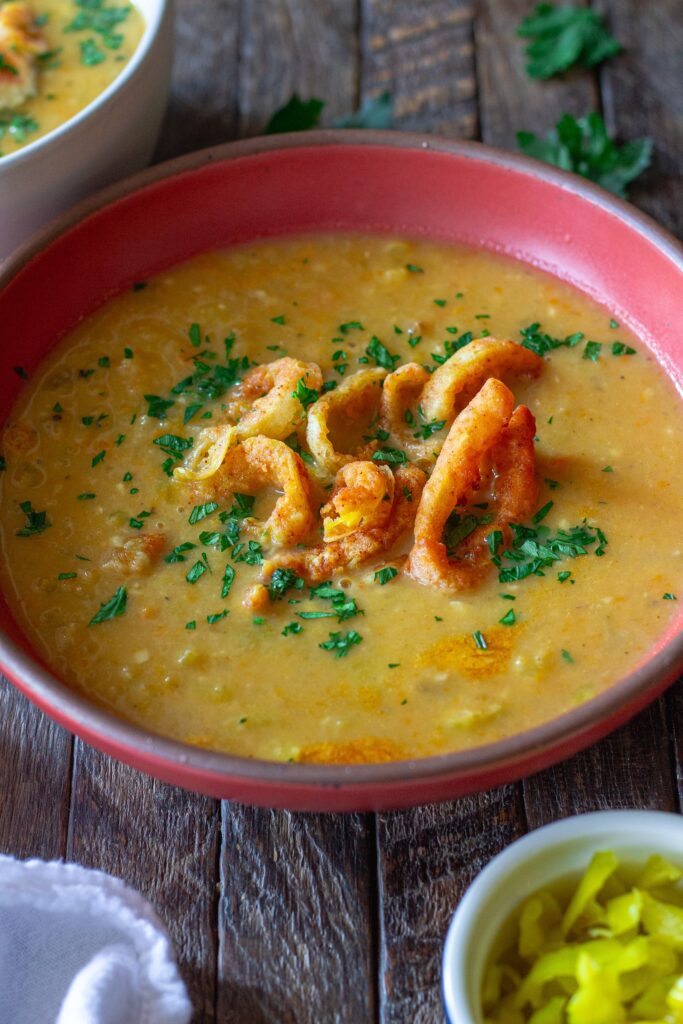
{"x": 79, "y": 947}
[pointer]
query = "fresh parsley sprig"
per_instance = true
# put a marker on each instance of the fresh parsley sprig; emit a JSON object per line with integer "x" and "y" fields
{"x": 583, "y": 146}
{"x": 564, "y": 36}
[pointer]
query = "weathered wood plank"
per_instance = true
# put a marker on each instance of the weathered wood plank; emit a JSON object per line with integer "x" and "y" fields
{"x": 510, "y": 101}
{"x": 642, "y": 95}
{"x": 674, "y": 701}
{"x": 630, "y": 768}
{"x": 164, "y": 842}
{"x": 202, "y": 109}
{"x": 427, "y": 858}
{"x": 35, "y": 779}
{"x": 423, "y": 54}
{"x": 296, "y": 946}
{"x": 301, "y": 46}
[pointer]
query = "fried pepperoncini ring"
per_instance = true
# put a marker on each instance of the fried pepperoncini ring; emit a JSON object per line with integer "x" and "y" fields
{"x": 400, "y": 395}
{"x": 260, "y": 462}
{"x": 21, "y": 41}
{"x": 319, "y": 563}
{"x": 361, "y": 498}
{"x": 485, "y": 429}
{"x": 358, "y": 394}
{"x": 277, "y": 413}
{"x": 461, "y": 376}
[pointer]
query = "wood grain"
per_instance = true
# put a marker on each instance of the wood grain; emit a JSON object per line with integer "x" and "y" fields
{"x": 423, "y": 54}
{"x": 202, "y": 110}
{"x": 510, "y": 101}
{"x": 164, "y": 842}
{"x": 427, "y": 858}
{"x": 296, "y": 943}
{"x": 301, "y": 46}
{"x": 35, "y": 777}
{"x": 642, "y": 94}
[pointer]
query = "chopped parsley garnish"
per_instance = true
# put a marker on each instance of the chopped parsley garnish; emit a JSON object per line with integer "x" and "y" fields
{"x": 542, "y": 343}
{"x": 414, "y": 340}
{"x": 104, "y": 361}
{"x": 252, "y": 554}
{"x": 211, "y": 619}
{"x": 86, "y": 496}
{"x": 158, "y": 407}
{"x": 200, "y": 512}
{"x": 352, "y": 325}
{"x": 552, "y": 484}
{"x": 20, "y": 372}
{"x": 191, "y": 625}
{"x": 67, "y": 576}
{"x": 592, "y": 351}
{"x": 278, "y": 319}
{"x": 607, "y": 469}
{"x": 292, "y": 628}
{"x": 195, "y": 335}
{"x": 91, "y": 54}
{"x": 177, "y": 555}
{"x": 542, "y": 512}
{"x": 296, "y": 115}
{"x": 173, "y": 446}
{"x": 127, "y": 477}
{"x": 36, "y": 522}
{"x": 380, "y": 353}
{"x": 6, "y": 66}
{"x": 452, "y": 345}
{"x": 458, "y": 527}
{"x": 508, "y": 619}
{"x": 535, "y": 548}
{"x": 128, "y": 353}
{"x": 564, "y": 36}
{"x": 583, "y": 146}
{"x": 564, "y": 575}
{"x": 383, "y": 576}
{"x": 281, "y": 581}
{"x": 414, "y": 269}
{"x": 3, "y": 464}
{"x": 198, "y": 570}
{"x": 344, "y": 606}
{"x": 391, "y": 455}
{"x": 341, "y": 643}
{"x": 115, "y": 606}
{"x": 480, "y": 640}
{"x": 228, "y": 579}
{"x": 614, "y": 324}
{"x": 669, "y": 597}
{"x": 620, "y": 349}
{"x": 307, "y": 396}
{"x": 242, "y": 509}
{"x": 428, "y": 429}
{"x": 566, "y": 656}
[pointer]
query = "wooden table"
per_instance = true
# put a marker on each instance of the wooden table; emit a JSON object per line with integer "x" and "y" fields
{"x": 311, "y": 919}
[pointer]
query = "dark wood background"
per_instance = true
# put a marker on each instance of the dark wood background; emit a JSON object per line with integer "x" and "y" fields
{"x": 282, "y": 918}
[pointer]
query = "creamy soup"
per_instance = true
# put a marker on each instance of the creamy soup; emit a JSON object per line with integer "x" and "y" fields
{"x": 56, "y": 56}
{"x": 148, "y": 582}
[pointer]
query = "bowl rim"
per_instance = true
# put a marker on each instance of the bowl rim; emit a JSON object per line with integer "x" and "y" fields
{"x": 152, "y": 26}
{"x": 564, "y": 734}
{"x": 644, "y": 825}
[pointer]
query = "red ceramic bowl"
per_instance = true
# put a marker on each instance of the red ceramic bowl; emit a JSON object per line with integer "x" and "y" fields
{"x": 382, "y": 182}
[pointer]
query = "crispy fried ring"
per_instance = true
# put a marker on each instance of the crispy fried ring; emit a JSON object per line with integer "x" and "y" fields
{"x": 357, "y": 394}
{"x": 276, "y": 414}
{"x": 361, "y": 498}
{"x": 260, "y": 462}
{"x": 486, "y": 427}
{"x": 321, "y": 562}
{"x": 21, "y": 39}
{"x": 467, "y": 369}
{"x": 400, "y": 394}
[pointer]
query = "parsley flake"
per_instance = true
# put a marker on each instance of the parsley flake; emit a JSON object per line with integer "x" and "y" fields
{"x": 385, "y": 575}
{"x": 116, "y": 605}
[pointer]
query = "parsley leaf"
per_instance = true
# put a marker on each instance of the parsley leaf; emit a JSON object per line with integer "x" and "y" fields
{"x": 177, "y": 554}
{"x": 381, "y": 354}
{"x": 383, "y": 576}
{"x": 296, "y": 115}
{"x": 200, "y": 512}
{"x": 341, "y": 644}
{"x": 392, "y": 455}
{"x": 116, "y": 605}
{"x": 281, "y": 581}
{"x": 307, "y": 396}
{"x": 583, "y": 146}
{"x": 564, "y": 36}
{"x": 36, "y": 522}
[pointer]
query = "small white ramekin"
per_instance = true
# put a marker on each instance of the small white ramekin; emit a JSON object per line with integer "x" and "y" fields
{"x": 111, "y": 138}
{"x": 548, "y": 855}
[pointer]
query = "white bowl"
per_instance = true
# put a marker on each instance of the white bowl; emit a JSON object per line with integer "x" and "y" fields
{"x": 110, "y": 138}
{"x": 552, "y": 853}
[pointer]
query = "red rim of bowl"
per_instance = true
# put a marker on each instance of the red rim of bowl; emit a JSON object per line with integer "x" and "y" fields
{"x": 347, "y": 787}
